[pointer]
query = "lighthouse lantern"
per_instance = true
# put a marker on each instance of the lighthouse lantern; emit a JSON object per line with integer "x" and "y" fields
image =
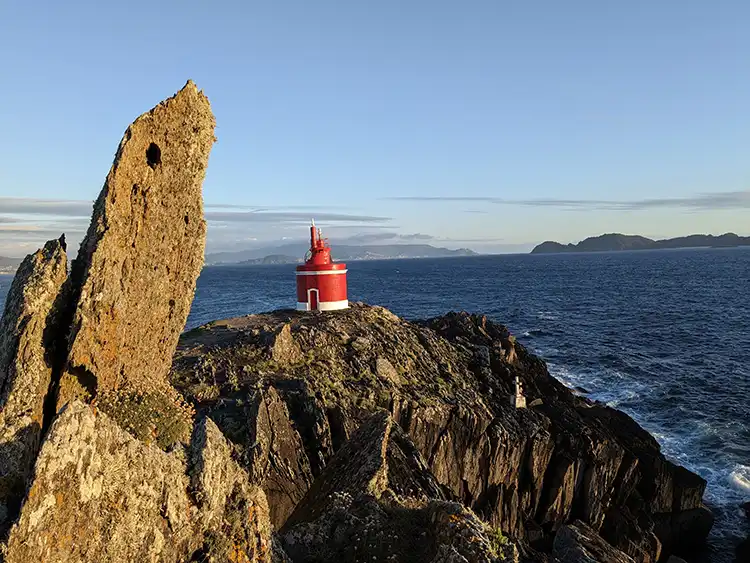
{"x": 321, "y": 283}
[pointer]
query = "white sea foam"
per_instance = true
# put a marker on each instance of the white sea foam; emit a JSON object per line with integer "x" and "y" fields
{"x": 727, "y": 486}
{"x": 546, "y": 315}
{"x": 740, "y": 477}
{"x": 532, "y": 332}
{"x": 565, "y": 376}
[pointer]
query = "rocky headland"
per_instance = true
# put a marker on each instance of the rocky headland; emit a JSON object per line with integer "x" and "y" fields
{"x": 616, "y": 241}
{"x": 286, "y": 436}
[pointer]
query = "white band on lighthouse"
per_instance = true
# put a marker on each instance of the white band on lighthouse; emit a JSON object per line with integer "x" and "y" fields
{"x": 325, "y": 305}
{"x": 320, "y": 272}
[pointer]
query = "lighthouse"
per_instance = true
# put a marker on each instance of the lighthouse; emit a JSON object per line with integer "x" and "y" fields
{"x": 321, "y": 283}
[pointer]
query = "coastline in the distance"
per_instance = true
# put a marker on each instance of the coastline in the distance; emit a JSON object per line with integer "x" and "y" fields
{"x": 615, "y": 241}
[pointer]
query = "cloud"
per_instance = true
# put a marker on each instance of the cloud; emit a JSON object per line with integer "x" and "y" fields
{"x": 700, "y": 202}
{"x": 26, "y": 223}
{"x": 58, "y": 207}
{"x": 289, "y": 217}
{"x": 364, "y": 238}
{"x": 269, "y": 207}
{"x": 37, "y": 232}
{"x": 78, "y": 208}
{"x": 472, "y": 240}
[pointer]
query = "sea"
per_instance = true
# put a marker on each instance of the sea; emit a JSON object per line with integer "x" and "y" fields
{"x": 662, "y": 335}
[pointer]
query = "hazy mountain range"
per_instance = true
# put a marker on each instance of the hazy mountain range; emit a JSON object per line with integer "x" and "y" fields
{"x": 293, "y": 253}
{"x": 617, "y": 241}
{"x": 296, "y": 251}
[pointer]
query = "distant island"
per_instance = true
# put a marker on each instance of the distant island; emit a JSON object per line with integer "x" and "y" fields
{"x": 293, "y": 253}
{"x": 616, "y": 241}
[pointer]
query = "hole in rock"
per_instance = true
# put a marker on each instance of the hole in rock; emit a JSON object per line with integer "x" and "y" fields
{"x": 153, "y": 155}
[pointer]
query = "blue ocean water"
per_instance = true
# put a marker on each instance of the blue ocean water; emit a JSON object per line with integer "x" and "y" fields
{"x": 662, "y": 335}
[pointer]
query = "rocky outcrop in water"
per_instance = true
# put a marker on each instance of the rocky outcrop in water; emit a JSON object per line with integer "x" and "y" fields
{"x": 135, "y": 273}
{"x": 743, "y": 549}
{"x": 27, "y": 356}
{"x": 447, "y": 384}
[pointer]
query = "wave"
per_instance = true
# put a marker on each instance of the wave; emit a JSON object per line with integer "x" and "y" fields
{"x": 740, "y": 477}
{"x": 534, "y": 332}
{"x": 546, "y": 315}
{"x": 728, "y": 482}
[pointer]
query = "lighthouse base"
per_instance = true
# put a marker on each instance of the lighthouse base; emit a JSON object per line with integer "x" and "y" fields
{"x": 324, "y": 306}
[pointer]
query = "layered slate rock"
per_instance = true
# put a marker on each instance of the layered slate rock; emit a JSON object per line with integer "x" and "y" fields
{"x": 579, "y": 543}
{"x": 232, "y": 513}
{"x": 378, "y": 457}
{"x": 377, "y": 501}
{"x": 446, "y": 382}
{"x": 28, "y": 330}
{"x": 135, "y": 274}
{"x": 270, "y": 447}
{"x": 99, "y": 494}
{"x": 278, "y": 460}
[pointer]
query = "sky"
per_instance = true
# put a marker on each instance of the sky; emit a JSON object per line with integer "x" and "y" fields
{"x": 488, "y": 124}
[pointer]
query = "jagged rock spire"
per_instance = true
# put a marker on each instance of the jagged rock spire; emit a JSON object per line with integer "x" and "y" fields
{"x": 135, "y": 274}
{"x": 27, "y": 329}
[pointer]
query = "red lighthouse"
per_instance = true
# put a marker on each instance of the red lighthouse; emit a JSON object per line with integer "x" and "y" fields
{"x": 321, "y": 284}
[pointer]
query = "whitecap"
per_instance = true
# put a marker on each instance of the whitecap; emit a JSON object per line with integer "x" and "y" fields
{"x": 546, "y": 315}
{"x": 533, "y": 332}
{"x": 740, "y": 477}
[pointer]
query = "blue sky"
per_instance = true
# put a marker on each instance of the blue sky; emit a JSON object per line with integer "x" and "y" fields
{"x": 488, "y": 124}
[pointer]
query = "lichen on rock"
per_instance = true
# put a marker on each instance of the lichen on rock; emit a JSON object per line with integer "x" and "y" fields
{"x": 100, "y": 495}
{"x": 134, "y": 277}
{"x": 29, "y": 336}
{"x": 446, "y": 383}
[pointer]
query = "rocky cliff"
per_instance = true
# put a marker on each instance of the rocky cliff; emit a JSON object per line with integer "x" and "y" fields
{"x": 290, "y": 437}
{"x": 447, "y": 383}
{"x": 102, "y": 459}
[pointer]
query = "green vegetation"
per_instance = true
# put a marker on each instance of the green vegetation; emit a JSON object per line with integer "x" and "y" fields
{"x": 499, "y": 541}
{"x": 153, "y": 417}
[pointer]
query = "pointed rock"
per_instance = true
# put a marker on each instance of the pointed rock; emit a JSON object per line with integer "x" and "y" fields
{"x": 277, "y": 460}
{"x": 134, "y": 277}
{"x": 377, "y": 501}
{"x": 233, "y": 513}
{"x": 579, "y": 543}
{"x": 27, "y": 330}
{"x": 378, "y": 457}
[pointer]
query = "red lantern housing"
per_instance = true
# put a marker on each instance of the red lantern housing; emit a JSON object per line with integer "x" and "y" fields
{"x": 321, "y": 283}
